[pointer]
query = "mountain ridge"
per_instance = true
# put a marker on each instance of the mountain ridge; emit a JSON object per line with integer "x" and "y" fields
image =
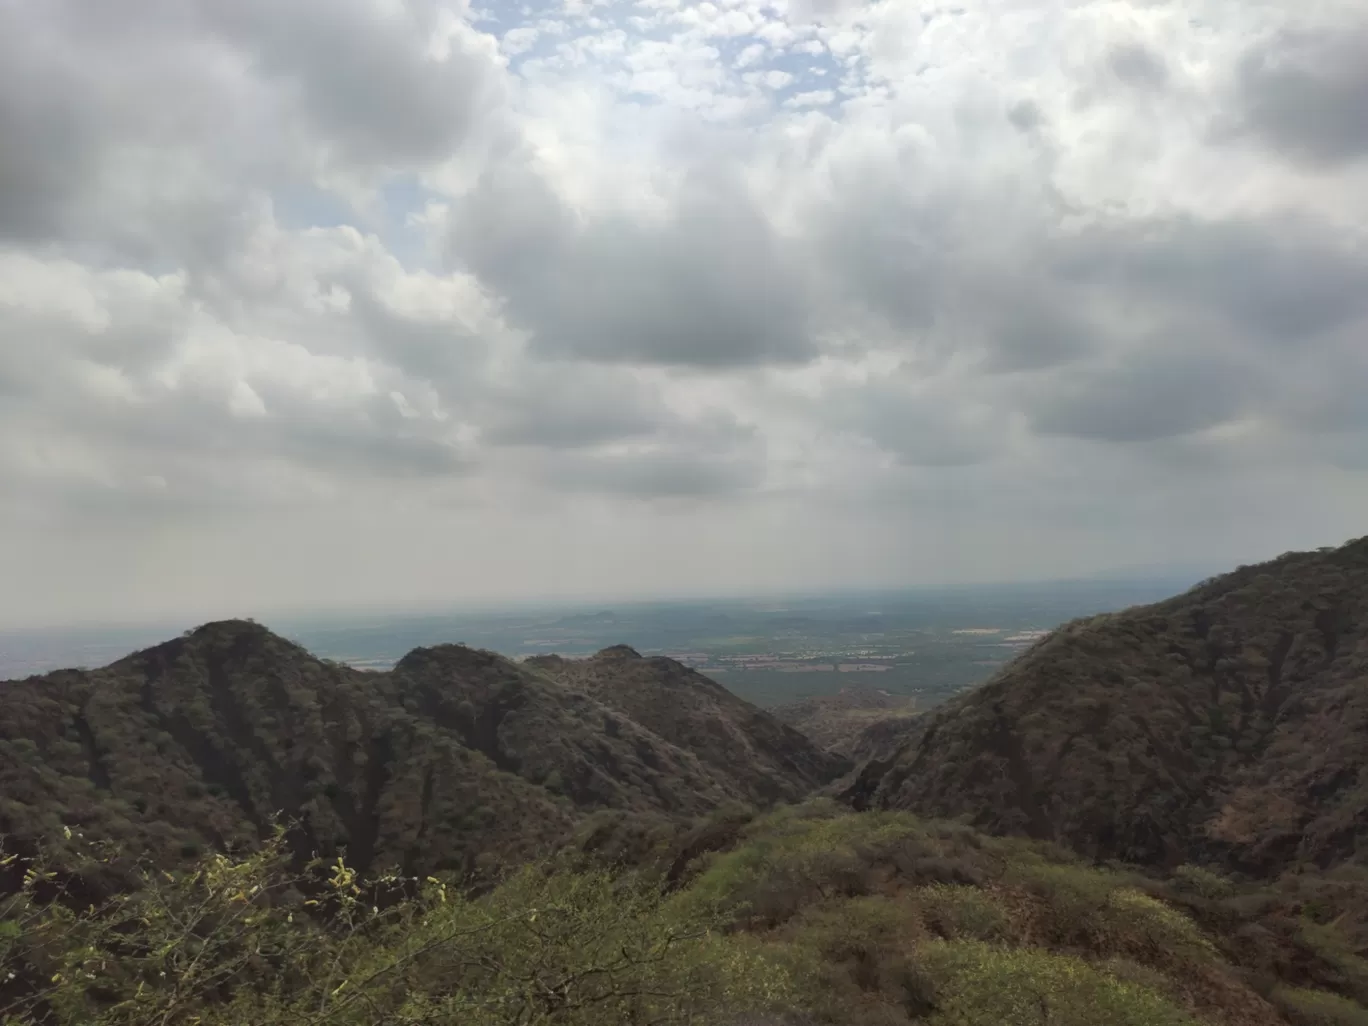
{"x": 455, "y": 756}
{"x": 1223, "y": 725}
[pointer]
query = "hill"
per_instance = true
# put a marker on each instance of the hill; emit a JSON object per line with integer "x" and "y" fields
{"x": 768, "y": 760}
{"x": 1228, "y": 725}
{"x": 455, "y": 759}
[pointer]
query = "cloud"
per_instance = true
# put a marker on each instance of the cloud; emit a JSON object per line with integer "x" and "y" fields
{"x": 565, "y": 406}
{"x": 921, "y": 423}
{"x": 707, "y": 285}
{"x": 1151, "y": 396}
{"x": 1279, "y": 278}
{"x": 380, "y": 84}
{"x": 771, "y": 295}
{"x": 707, "y": 457}
{"x": 1137, "y": 65}
{"x": 1304, "y": 92}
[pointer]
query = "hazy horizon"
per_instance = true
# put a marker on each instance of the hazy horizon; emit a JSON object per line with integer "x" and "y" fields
{"x": 1174, "y": 577}
{"x": 426, "y": 301}
{"x": 378, "y": 637}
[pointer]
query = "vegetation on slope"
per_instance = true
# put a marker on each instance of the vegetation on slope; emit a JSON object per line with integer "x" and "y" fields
{"x": 769, "y": 760}
{"x": 810, "y": 915}
{"x": 1202, "y": 756}
{"x": 1228, "y": 726}
{"x": 456, "y": 760}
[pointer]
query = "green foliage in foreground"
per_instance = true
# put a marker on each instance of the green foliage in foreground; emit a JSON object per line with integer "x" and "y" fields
{"x": 238, "y": 943}
{"x": 1317, "y": 1008}
{"x": 810, "y": 916}
{"x": 979, "y": 983}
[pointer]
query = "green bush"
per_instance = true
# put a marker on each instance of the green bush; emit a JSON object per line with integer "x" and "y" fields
{"x": 1147, "y": 924}
{"x": 1318, "y": 1008}
{"x": 800, "y": 855}
{"x": 978, "y": 984}
{"x": 1202, "y": 882}
{"x": 240, "y": 942}
{"x": 1326, "y": 942}
{"x": 961, "y": 912}
{"x": 856, "y": 961}
{"x": 1100, "y": 910}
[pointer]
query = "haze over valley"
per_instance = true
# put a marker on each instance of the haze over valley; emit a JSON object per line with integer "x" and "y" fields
{"x": 926, "y": 644}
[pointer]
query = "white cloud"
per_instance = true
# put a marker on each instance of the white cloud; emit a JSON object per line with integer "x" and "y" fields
{"x": 811, "y": 98}
{"x": 740, "y": 292}
{"x": 751, "y": 55}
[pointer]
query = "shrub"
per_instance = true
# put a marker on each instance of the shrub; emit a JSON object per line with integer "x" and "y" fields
{"x": 1147, "y": 925}
{"x": 1318, "y": 1008}
{"x": 939, "y": 869}
{"x": 856, "y": 963}
{"x": 1099, "y": 910}
{"x": 239, "y": 942}
{"x": 978, "y": 984}
{"x": 1326, "y": 942}
{"x": 1202, "y": 883}
{"x": 964, "y": 913}
{"x": 789, "y": 860}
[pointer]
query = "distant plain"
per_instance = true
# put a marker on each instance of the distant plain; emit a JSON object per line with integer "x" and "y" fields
{"x": 928, "y": 643}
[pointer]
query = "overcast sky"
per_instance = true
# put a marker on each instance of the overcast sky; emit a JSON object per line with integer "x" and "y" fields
{"x": 312, "y": 303}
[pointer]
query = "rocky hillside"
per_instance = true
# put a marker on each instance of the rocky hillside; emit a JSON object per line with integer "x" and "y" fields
{"x": 1227, "y": 725}
{"x": 767, "y": 760}
{"x": 454, "y": 759}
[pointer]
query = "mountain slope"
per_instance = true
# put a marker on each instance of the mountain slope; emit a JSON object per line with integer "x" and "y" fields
{"x": 767, "y": 760}
{"x": 203, "y": 739}
{"x": 1228, "y": 724}
{"x": 454, "y": 759}
{"x": 535, "y": 728}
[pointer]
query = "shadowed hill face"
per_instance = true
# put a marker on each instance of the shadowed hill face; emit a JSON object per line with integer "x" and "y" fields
{"x": 528, "y": 725}
{"x": 455, "y": 756}
{"x": 203, "y": 739}
{"x": 767, "y": 759}
{"x": 1229, "y": 724}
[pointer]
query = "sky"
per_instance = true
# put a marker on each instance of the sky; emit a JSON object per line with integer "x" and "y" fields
{"x": 376, "y": 303}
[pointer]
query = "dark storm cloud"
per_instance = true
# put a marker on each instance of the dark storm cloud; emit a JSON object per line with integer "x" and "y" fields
{"x": 45, "y": 150}
{"x": 1152, "y": 396}
{"x": 1025, "y": 322}
{"x": 892, "y": 255}
{"x": 1036, "y": 336}
{"x": 951, "y": 274}
{"x": 364, "y": 77}
{"x": 1279, "y": 279}
{"x": 121, "y": 133}
{"x": 52, "y": 130}
{"x": 140, "y": 131}
{"x": 1306, "y": 95}
{"x": 711, "y": 287}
